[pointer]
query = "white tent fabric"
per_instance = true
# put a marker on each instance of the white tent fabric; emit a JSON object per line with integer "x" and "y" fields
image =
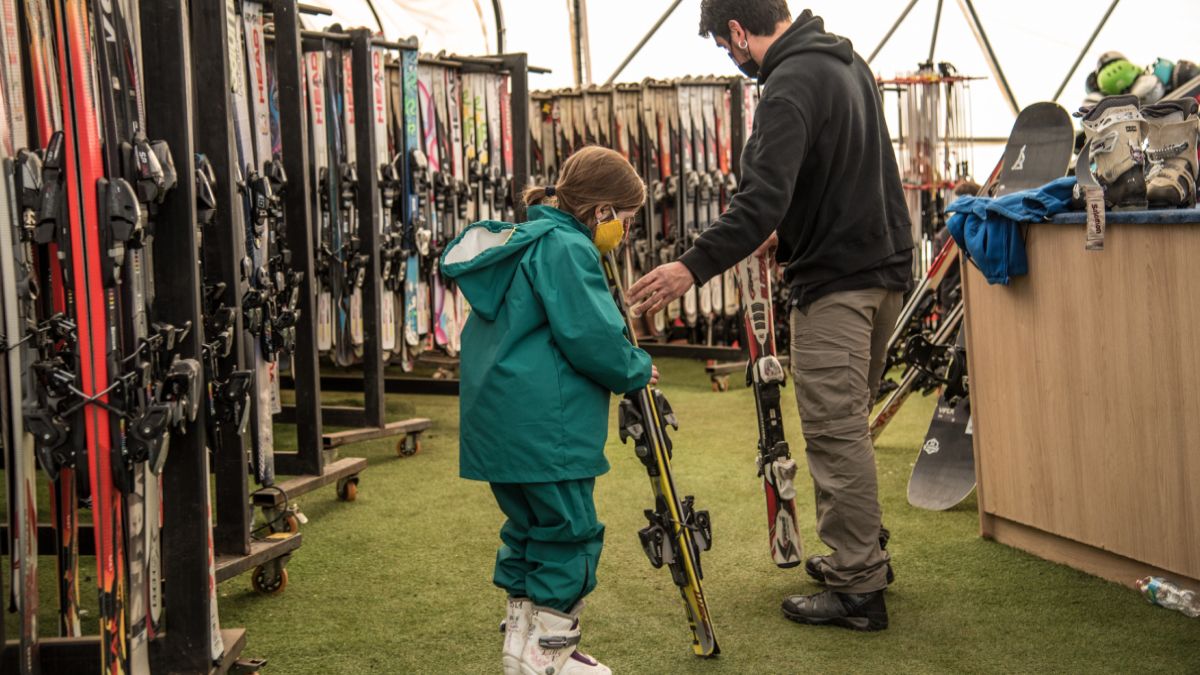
{"x": 1035, "y": 40}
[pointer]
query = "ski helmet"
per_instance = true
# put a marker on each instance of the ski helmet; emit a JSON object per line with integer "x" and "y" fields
{"x": 1185, "y": 71}
{"x": 1116, "y": 77}
{"x": 1148, "y": 88}
{"x": 1107, "y": 58}
{"x": 1162, "y": 70}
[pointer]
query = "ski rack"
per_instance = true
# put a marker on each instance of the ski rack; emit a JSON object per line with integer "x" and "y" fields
{"x": 185, "y": 544}
{"x": 236, "y": 550}
{"x": 312, "y": 465}
{"x": 713, "y": 353}
{"x": 516, "y": 65}
{"x": 368, "y": 422}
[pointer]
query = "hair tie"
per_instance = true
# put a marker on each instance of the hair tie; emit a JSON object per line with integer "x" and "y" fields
{"x": 549, "y": 190}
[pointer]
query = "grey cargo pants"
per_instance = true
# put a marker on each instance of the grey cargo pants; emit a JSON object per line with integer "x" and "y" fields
{"x": 838, "y": 347}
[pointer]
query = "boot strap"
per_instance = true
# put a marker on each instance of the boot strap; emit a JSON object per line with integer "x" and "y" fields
{"x": 559, "y": 641}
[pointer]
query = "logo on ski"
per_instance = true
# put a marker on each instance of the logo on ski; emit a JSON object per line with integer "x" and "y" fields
{"x": 931, "y": 447}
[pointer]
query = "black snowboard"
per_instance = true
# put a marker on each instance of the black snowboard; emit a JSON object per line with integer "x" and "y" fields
{"x": 945, "y": 470}
{"x": 1038, "y": 151}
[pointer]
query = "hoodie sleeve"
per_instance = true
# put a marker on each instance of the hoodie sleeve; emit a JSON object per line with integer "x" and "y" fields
{"x": 584, "y": 320}
{"x": 771, "y": 162}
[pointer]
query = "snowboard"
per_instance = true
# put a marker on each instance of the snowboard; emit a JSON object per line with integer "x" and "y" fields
{"x": 944, "y": 473}
{"x": 1038, "y": 151}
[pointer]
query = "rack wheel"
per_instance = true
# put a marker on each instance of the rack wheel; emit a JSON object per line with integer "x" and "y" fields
{"x": 347, "y": 489}
{"x": 269, "y": 579}
{"x": 720, "y": 383}
{"x": 291, "y": 524}
{"x": 408, "y": 446}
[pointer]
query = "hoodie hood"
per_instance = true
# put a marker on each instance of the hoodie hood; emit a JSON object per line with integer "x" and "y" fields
{"x": 483, "y": 259}
{"x": 806, "y": 34}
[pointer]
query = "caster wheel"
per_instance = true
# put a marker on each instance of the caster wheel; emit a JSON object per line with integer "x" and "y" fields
{"x": 348, "y": 490}
{"x": 408, "y": 446}
{"x": 269, "y": 579}
{"x": 291, "y": 524}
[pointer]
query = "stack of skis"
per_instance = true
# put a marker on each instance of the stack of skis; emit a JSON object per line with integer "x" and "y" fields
{"x": 454, "y": 116}
{"x": 93, "y": 379}
{"x": 684, "y": 137}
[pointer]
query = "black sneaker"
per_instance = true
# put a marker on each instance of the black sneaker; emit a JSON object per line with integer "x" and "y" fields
{"x": 813, "y": 565}
{"x": 856, "y": 611}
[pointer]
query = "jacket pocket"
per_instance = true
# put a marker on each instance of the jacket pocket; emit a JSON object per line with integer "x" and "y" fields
{"x": 823, "y": 389}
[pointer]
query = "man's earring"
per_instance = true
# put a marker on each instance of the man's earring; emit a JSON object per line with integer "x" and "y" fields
{"x": 745, "y": 44}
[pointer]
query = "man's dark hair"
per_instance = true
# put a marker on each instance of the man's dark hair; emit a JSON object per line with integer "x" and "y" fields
{"x": 758, "y": 17}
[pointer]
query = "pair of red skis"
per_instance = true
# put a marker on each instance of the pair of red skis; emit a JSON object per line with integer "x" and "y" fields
{"x": 96, "y": 385}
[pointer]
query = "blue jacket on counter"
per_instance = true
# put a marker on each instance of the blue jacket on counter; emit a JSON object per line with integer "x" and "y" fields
{"x": 988, "y": 229}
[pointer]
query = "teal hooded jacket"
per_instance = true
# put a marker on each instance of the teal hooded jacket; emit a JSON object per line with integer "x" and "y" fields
{"x": 542, "y": 350}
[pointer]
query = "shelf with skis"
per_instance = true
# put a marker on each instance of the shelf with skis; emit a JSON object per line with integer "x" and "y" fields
{"x": 252, "y": 284}
{"x": 104, "y": 384}
{"x": 684, "y": 137}
{"x": 458, "y": 139}
{"x": 354, "y": 179}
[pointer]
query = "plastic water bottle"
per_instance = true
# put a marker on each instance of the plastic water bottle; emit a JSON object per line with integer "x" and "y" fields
{"x": 1159, "y": 591}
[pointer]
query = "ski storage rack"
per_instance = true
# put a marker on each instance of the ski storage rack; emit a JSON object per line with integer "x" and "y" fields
{"x": 573, "y": 117}
{"x": 516, "y": 65}
{"x": 236, "y": 550}
{"x": 185, "y": 544}
{"x": 317, "y": 449}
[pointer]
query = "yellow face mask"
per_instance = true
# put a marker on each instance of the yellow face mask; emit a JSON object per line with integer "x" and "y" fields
{"x": 608, "y": 234}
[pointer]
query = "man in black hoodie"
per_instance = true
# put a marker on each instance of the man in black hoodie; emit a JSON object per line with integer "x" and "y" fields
{"x": 819, "y": 184}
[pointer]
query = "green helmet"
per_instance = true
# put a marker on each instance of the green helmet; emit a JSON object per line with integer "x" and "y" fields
{"x": 1117, "y": 76}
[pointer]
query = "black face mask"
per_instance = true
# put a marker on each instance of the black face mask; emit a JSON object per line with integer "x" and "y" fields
{"x": 749, "y": 67}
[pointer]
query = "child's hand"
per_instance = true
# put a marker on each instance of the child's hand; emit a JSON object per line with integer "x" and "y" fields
{"x": 653, "y": 375}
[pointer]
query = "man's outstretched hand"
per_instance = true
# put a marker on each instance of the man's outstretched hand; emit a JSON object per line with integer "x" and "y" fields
{"x": 662, "y": 286}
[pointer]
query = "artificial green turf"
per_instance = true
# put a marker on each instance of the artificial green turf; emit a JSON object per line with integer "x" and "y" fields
{"x": 400, "y": 581}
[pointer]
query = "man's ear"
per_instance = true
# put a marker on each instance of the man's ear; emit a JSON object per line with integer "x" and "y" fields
{"x": 736, "y": 32}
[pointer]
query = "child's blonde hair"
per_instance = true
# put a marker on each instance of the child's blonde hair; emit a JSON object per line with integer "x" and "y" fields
{"x": 593, "y": 177}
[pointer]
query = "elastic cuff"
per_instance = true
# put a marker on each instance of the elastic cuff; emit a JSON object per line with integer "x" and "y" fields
{"x": 702, "y": 266}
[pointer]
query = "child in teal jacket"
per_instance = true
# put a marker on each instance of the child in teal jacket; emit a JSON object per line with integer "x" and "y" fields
{"x": 543, "y": 350}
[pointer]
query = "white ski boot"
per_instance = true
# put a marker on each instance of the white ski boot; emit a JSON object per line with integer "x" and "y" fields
{"x": 516, "y": 632}
{"x": 1115, "y": 131}
{"x": 551, "y": 646}
{"x": 1171, "y": 133}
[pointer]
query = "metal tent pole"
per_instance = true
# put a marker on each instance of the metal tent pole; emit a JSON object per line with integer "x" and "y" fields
{"x": 1083, "y": 52}
{"x": 968, "y": 10}
{"x": 646, "y": 38}
{"x": 891, "y": 31}
{"x": 937, "y": 23}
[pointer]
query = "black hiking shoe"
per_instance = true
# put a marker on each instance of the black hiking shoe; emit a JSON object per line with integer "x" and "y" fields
{"x": 813, "y": 565}
{"x": 856, "y": 611}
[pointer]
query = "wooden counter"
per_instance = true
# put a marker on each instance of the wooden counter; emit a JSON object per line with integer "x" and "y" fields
{"x": 1085, "y": 386}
